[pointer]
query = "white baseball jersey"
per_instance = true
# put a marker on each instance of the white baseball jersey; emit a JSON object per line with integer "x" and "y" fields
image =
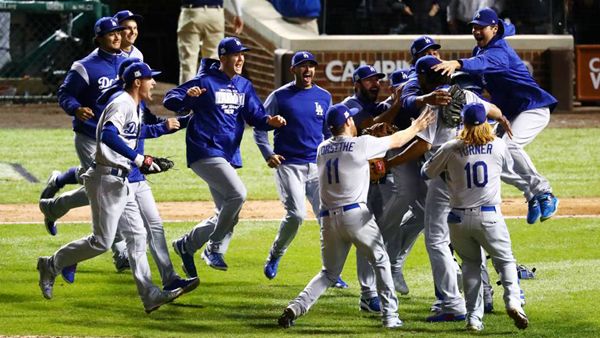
{"x": 124, "y": 113}
{"x": 343, "y": 168}
{"x": 472, "y": 172}
{"x": 438, "y": 132}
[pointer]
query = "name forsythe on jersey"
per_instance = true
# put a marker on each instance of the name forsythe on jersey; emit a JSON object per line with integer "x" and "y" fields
{"x": 337, "y": 147}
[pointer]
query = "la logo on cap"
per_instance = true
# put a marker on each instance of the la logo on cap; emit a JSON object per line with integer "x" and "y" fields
{"x": 478, "y": 16}
{"x": 305, "y": 55}
{"x": 237, "y": 42}
{"x": 113, "y": 23}
{"x": 427, "y": 40}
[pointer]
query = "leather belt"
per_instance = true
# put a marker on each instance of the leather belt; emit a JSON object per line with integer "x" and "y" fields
{"x": 325, "y": 213}
{"x": 482, "y": 208}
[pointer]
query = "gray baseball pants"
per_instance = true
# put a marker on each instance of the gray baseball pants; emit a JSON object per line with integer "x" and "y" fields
{"x": 470, "y": 230}
{"x": 111, "y": 200}
{"x": 526, "y": 126}
{"x": 437, "y": 239}
{"x": 229, "y": 194}
{"x": 339, "y": 231}
{"x": 294, "y": 182}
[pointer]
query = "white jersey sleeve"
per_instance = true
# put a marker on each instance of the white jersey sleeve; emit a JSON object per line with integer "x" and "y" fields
{"x": 376, "y": 146}
{"x": 438, "y": 162}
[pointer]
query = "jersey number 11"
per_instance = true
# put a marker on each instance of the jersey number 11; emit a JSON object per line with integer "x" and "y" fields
{"x": 332, "y": 163}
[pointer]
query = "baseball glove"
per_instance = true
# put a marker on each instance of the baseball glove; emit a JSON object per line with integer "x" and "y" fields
{"x": 380, "y": 129}
{"x": 153, "y": 165}
{"x": 451, "y": 112}
{"x": 377, "y": 169}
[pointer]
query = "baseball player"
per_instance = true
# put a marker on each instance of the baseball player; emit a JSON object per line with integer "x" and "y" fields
{"x": 366, "y": 90}
{"x": 152, "y": 126}
{"x": 407, "y": 188}
{"x": 436, "y": 203}
{"x": 303, "y": 105}
{"x": 110, "y": 198}
{"x": 342, "y": 162}
{"x": 129, "y": 34}
{"x": 472, "y": 165}
{"x": 516, "y": 93}
{"x": 222, "y": 101}
{"x": 78, "y": 95}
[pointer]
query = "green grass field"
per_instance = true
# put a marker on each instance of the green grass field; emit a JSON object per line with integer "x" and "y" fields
{"x": 561, "y": 301}
{"x": 567, "y": 157}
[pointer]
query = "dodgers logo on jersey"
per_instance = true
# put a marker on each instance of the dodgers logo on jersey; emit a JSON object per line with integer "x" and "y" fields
{"x": 130, "y": 130}
{"x": 104, "y": 82}
{"x": 318, "y": 109}
{"x": 229, "y": 100}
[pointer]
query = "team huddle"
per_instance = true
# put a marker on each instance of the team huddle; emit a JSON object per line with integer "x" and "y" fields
{"x": 453, "y": 130}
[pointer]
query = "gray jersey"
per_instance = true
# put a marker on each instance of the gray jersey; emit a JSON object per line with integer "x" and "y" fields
{"x": 472, "y": 172}
{"x": 344, "y": 169}
{"x": 123, "y": 113}
{"x": 439, "y": 133}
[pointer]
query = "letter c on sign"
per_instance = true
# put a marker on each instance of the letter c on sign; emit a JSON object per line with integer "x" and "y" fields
{"x": 329, "y": 70}
{"x": 593, "y": 65}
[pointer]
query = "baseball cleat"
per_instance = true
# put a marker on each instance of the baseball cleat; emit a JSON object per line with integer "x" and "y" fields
{"x": 287, "y": 318}
{"x": 340, "y": 284}
{"x": 400, "y": 283}
{"x": 393, "y": 324}
{"x": 371, "y": 305}
{"x": 68, "y": 273}
{"x": 49, "y": 221}
{"x": 271, "y": 267}
{"x": 445, "y": 317}
{"x": 519, "y": 317}
{"x": 51, "y": 188}
{"x": 474, "y": 327}
{"x": 163, "y": 298}
{"x": 121, "y": 261}
{"x": 46, "y": 282}
{"x": 548, "y": 206}
{"x": 187, "y": 285}
{"x": 214, "y": 260}
{"x": 533, "y": 211}
{"x": 189, "y": 267}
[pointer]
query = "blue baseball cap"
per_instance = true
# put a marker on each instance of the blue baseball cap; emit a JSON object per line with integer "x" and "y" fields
{"x": 126, "y": 63}
{"x": 424, "y": 64}
{"x": 231, "y": 45}
{"x": 138, "y": 70}
{"x": 398, "y": 77}
{"x": 337, "y": 115}
{"x": 485, "y": 17}
{"x": 106, "y": 25}
{"x": 127, "y": 15}
{"x": 422, "y": 43}
{"x": 303, "y": 56}
{"x": 364, "y": 72}
{"x": 474, "y": 114}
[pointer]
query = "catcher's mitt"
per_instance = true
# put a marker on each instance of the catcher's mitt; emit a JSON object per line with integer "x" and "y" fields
{"x": 380, "y": 129}
{"x": 153, "y": 165}
{"x": 451, "y": 112}
{"x": 377, "y": 169}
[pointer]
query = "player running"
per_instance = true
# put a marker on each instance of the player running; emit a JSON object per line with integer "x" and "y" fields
{"x": 342, "y": 162}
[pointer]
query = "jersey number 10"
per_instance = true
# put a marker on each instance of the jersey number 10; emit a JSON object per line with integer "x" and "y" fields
{"x": 333, "y": 163}
{"x": 477, "y": 174}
